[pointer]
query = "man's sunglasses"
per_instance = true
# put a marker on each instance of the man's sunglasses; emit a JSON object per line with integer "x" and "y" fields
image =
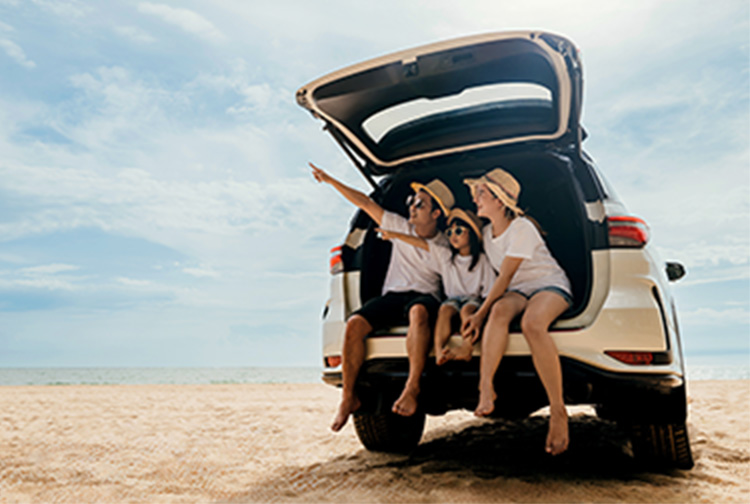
{"x": 412, "y": 200}
{"x": 455, "y": 230}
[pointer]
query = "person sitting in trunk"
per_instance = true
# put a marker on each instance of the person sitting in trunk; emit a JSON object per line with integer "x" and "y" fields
{"x": 530, "y": 281}
{"x": 467, "y": 278}
{"x": 411, "y": 290}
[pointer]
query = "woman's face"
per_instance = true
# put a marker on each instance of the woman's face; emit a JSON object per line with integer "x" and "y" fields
{"x": 458, "y": 235}
{"x": 486, "y": 202}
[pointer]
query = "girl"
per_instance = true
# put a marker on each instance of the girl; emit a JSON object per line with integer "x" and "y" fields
{"x": 530, "y": 281}
{"x": 467, "y": 277}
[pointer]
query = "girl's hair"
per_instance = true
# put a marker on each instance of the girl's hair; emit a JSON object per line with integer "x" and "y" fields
{"x": 475, "y": 246}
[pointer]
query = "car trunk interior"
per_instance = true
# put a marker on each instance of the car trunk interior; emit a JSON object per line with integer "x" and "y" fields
{"x": 549, "y": 194}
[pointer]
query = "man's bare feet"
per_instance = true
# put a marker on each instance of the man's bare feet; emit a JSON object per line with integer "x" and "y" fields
{"x": 406, "y": 404}
{"x": 347, "y": 406}
{"x": 557, "y": 436}
{"x": 486, "y": 403}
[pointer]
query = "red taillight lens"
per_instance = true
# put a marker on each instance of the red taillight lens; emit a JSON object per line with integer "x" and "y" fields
{"x": 633, "y": 358}
{"x": 627, "y": 231}
{"x": 336, "y": 263}
{"x": 333, "y": 361}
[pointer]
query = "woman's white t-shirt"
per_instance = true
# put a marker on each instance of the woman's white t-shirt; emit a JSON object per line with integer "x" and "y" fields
{"x": 538, "y": 269}
{"x": 458, "y": 281}
{"x": 411, "y": 268}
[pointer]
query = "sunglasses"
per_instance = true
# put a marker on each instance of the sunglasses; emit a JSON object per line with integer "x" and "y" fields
{"x": 455, "y": 230}
{"x": 412, "y": 200}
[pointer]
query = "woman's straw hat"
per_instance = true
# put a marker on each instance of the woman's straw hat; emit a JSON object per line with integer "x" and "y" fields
{"x": 502, "y": 184}
{"x": 469, "y": 218}
{"x": 439, "y": 192}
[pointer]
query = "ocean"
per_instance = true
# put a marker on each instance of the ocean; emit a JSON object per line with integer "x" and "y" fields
{"x": 227, "y": 375}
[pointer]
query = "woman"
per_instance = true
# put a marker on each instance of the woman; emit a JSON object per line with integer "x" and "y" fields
{"x": 529, "y": 281}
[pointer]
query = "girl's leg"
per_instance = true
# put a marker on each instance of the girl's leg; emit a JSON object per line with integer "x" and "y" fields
{"x": 543, "y": 308}
{"x": 464, "y": 351}
{"x": 443, "y": 331}
{"x": 494, "y": 343}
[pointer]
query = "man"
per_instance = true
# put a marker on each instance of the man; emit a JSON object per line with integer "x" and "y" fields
{"x": 411, "y": 289}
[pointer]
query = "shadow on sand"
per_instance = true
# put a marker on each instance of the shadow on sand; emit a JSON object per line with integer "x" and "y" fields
{"x": 487, "y": 453}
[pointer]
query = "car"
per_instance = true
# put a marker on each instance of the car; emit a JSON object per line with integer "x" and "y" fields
{"x": 455, "y": 110}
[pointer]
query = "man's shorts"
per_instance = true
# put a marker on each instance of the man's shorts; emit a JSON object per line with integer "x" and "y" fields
{"x": 392, "y": 308}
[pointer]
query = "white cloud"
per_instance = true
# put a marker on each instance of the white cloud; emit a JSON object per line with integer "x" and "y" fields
{"x": 16, "y": 53}
{"x": 48, "y": 269}
{"x": 135, "y": 34}
{"x": 186, "y": 19}
{"x": 203, "y": 272}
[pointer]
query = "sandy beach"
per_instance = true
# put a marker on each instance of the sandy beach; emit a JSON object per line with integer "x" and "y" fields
{"x": 271, "y": 443}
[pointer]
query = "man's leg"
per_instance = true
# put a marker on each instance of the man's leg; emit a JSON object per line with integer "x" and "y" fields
{"x": 352, "y": 357}
{"x": 417, "y": 346}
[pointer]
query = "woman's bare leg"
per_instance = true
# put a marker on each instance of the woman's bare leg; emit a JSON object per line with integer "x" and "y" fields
{"x": 543, "y": 308}
{"x": 494, "y": 344}
{"x": 443, "y": 332}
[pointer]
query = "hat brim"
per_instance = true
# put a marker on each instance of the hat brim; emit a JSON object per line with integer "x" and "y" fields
{"x": 496, "y": 190}
{"x": 460, "y": 213}
{"x": 416, "y": 186}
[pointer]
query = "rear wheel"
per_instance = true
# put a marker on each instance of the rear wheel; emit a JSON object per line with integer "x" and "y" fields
{"x": 662, "y": 445}
{"x": 388, "y": 432}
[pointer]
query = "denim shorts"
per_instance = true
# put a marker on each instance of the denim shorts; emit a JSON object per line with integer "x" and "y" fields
{"x": 551, "y": 288}
{"x": 459, "y": 302}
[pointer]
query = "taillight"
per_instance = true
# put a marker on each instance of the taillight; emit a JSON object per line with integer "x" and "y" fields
{"x": 336, "y": 263}
{"x": 632, "y": 358}
{"x": 627, "y": 231}
{"x": 333, "y": 361}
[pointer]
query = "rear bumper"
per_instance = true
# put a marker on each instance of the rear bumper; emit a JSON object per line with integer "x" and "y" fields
{"x": 631, "y": 397}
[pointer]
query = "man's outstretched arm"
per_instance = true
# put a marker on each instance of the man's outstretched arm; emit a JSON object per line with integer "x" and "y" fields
{"x": 357, "y": 198}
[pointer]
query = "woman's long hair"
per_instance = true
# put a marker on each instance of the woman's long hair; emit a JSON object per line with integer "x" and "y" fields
{"x": 475, "y": 246}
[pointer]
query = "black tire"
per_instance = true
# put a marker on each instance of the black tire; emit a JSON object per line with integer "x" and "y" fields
{"x": 663, "y": 446}
{"x": 388, "y": 432}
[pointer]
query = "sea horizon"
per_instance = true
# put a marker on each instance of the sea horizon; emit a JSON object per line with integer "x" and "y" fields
{"x": 222, "y": 375}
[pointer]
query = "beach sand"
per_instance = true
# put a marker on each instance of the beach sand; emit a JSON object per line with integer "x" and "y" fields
{"x": 270, "y": 443}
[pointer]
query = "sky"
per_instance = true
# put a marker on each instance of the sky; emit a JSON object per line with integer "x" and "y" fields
{"x": 156, "y": 208}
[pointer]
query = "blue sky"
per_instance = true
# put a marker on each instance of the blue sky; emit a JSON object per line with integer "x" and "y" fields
{"x": 156, "y": 208}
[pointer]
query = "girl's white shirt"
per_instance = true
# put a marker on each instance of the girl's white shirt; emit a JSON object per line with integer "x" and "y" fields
{"x": 538, "y": 269}
{"x": 458, "y": 281}
{"x": 411, "y": 268}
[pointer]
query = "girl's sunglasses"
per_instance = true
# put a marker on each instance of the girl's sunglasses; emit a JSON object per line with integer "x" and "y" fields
{"x": 455, "y": 230}
{"x": 412, "y": 200}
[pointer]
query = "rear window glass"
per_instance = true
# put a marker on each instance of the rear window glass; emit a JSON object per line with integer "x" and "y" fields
{"x": 422, "y": 110}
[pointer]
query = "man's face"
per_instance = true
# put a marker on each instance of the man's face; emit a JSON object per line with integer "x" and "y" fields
{"x": 421, "y": 211}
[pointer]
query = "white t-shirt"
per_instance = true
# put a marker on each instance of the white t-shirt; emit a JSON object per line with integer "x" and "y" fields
{"x": 411, "y": 268}
{"x": 457, "y": 279}
{"x": 538, "y": 268}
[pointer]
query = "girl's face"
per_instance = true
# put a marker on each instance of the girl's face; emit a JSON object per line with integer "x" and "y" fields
{"x": 458, "y": 236}
{"x": 486, "y": 202}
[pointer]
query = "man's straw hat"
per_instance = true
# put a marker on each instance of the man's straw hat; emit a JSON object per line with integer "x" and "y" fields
{"x": 502, "y": 184}
{"x": 469, "y": 218}
{"x": 439, "y": 192}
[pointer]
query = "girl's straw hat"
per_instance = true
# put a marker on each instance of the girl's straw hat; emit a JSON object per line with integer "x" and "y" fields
{"x": 439, "y": 192}
{"x": 502, "y": 184}
{"x": 469, "y": 218}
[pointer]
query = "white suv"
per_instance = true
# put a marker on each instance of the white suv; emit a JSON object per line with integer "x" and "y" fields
{"x": 455, "y": 110}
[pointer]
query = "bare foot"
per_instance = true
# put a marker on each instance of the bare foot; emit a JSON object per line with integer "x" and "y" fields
{"x": 440, "y": 358}
{"x": 557, "y": 436}
{"x": 486, "y": 403}
{"x": 406, "y": 405}
{"x": 347, "y": 406}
